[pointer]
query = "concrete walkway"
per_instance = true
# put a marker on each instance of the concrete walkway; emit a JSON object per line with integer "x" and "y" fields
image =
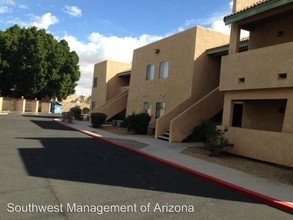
{"x": 273, "y": 193}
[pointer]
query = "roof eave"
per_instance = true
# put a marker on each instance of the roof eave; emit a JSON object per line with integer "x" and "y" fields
{"x": 255, "y": 10}
{"x": 225, "y": 48}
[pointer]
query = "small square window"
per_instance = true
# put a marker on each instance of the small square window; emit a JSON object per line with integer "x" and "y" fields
{"x": 241, "y": 80}
{"x": 282, "y": 75}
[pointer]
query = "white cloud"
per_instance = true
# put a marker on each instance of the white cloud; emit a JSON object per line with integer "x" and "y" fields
{"x": 219, "y": 25}
{"x": 214, "y": 21}
{"x": 4, "y": 6}
{"x": 99, "y": 48}
{"x": 4, "y": 9}
{"x": 73, "y": 11}
{"x": 7, "y": 2}
{"x": 23, "y": 7}
{"x": 44, "y": 21}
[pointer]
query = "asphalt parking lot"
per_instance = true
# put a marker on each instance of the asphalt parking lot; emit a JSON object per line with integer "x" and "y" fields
{"x": 74, "y": 176}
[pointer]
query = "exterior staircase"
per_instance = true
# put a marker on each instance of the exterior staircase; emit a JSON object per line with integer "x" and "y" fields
{"x": 179, "y": 127}
{"x": 115, "y": 105}
{"x": 165, "y": 136}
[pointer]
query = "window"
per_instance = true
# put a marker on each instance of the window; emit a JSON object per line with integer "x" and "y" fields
{"x": 93, "y": 105}
{"x": 147, "y": 108}
{"x": 164, "y": 67}
{"x": 150, "y": 72}
{"x": 160, "y": 109}
{"x": 95, "y": 83}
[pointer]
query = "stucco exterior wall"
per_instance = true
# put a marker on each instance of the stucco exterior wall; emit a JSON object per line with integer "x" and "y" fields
{"x": 206, "y": 73}
{"x": 108, "y": 83}
{"x": 261, "y": 95}
{"x": 273, "y": 147}
{"x": 271, "y": 32}
{"x": 191, "y": 71}
{"x": 259, "y": 68}
{"x": 253, "y": 139}
{"x": 241, "y": 4}
{"x": 179, "y": 50}
{"x": 264, "y": 114}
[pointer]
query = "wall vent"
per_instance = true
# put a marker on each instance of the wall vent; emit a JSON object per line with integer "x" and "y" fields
{"x": 282, "y": 75}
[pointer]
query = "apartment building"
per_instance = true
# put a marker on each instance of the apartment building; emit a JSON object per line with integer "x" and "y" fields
{"x": 258, "y": 83}
{"x": 110, "y": 88}
{"x": 170, "y": 75}
{"x": 167, "y": 79}
{"x": 190, "y": 76}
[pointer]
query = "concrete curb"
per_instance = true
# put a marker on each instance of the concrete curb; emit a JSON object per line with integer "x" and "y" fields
{"x": 282, "y": 205}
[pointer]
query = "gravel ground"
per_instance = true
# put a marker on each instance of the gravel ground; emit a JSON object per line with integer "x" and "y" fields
{"x": 258, "y": 168}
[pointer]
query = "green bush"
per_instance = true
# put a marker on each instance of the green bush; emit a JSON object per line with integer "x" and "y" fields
{"x": 205, "y": 130}
{"x": 85, "y": 110}
{"x": 213, "y": 137}
{"x": 76, "y": 112}
{"x": 138, "y": 123}
{"x": 97, "y": 119}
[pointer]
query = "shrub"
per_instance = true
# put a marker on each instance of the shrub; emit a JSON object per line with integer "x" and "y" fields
{"x": 97, "y": 119}
{"x": 85, "y": 110}
{"x": 138, "y": 123}
{"x": 213, "y": 137}
{"x": 67, "y": 116}
{"x": 217, "y": 143}
{"x": 76, "y": 112}
{"x": 204, "y": 130}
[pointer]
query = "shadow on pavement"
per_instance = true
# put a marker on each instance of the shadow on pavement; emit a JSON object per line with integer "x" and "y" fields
{"x": 95, "y": 161}
{"x": 50, "y": 125}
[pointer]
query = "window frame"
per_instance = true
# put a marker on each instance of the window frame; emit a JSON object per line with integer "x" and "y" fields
{"x": 159, "y": 107}
{"x": 150, "y": 72}
{"x": 164, "y": 69}
{"x": 95, "y": 82}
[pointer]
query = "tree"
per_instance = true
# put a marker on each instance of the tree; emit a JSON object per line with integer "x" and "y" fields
{"x": 35, "y": 65}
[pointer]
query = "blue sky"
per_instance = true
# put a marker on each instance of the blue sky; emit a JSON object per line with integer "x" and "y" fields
{"x": 112, "y": 29}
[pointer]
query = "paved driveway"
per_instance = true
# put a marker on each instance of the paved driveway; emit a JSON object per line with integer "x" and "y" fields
{"x": 48, "y": 171}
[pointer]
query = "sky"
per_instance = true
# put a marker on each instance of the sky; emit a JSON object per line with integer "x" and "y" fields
{"x": 101, "y": 30}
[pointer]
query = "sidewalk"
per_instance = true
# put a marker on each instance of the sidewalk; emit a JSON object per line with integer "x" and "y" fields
{"x": 272, "y": 193}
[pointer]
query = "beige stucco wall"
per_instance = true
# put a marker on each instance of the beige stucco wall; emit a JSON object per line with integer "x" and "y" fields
{"x": 264, "y": 114}
{"x": 268, "y": 94}
{"x": 206, "y": 71}
{"x": 259, "y": 67}
{"x": 191, "y": 71}
{"x": 271, "y": 32}
{"x": 108, "y": 83}
{"x": 178, "y": 49}
{"x": 275, "y": 147}
{"x": 242, "y": 4}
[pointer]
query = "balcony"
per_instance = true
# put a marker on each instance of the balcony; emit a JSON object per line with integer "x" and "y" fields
{"x": 273, "y": 147}
{"x": 263, "y": 68}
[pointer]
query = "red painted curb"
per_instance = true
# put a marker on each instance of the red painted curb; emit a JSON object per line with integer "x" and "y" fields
{"x": 282, "y": 205}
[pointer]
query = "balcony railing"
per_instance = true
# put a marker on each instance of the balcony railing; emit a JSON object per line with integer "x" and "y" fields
{"x": 269, "y": 67}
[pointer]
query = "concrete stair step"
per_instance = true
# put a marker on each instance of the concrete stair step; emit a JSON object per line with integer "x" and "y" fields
{"x": 163, "y": 138}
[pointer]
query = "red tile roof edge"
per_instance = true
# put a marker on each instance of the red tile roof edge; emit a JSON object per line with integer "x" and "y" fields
{"x": 248, "y": 7}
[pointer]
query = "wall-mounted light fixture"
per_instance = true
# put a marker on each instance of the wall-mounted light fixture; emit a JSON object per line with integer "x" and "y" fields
{"x": 280, "y": 33}
{"x": 157, "y": 51}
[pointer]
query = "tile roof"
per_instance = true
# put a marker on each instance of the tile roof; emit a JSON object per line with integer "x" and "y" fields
{"x": 248, "y": 7}
{"x": 245, "y": 39}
